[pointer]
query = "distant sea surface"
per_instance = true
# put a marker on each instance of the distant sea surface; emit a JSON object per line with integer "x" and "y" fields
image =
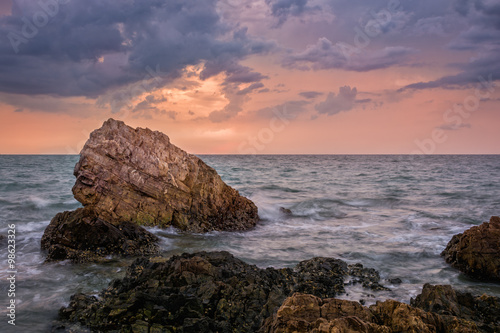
{"x": 392, "y": 213}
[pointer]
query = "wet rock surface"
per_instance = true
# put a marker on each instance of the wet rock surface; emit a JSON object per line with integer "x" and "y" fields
{"x": 476, "y": 252}
{"x": 483, "y": 311}
{"x": 439, "y": 309}
{"x": 200, "y": 292}
{"x": 81, "y": 236}
{"x": 137, "y": 175}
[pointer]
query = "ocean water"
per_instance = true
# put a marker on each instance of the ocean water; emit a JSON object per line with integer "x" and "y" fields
{"x": 392, "y": 213}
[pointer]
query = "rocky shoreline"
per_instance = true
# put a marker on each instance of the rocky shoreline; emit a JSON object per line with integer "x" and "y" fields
{"x": 215, "y": 292}
{"x": 129, "y": 178}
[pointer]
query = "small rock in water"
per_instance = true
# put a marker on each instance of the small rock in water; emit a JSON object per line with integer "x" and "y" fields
{"x": 286, "y": 211}
{"x": 395, "y": 281}
{"x": 368, "y": 277}
{"x": 83, "y": 237}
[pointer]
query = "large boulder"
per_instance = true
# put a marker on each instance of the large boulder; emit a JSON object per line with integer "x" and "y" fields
{"x": 476, "y": 252}
{"x": 200, "y": 292}
{"x": 81, "y": 236}
{"x": 137, "y": 175}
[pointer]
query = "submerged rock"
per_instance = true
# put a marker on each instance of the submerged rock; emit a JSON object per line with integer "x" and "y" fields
{"x": 476, "y": 252}
{"x": 439, "y": 309}
{"x": 137, "y": 175}
{"x": 81, "y": 236}
{"x": 286, "y": 212}
{"x": 200, "y": 292}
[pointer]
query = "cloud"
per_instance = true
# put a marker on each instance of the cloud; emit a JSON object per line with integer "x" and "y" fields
{"x": 250, "y": 88}
{"x": 326, "y": 55}
{"x": 86, "y": 48}
{"x": 49, "y": 104}
{"x": 481, "y": 36}
{"x": 334, "y": 104}
{"x": 290, "y": 110}
{"x": 283, "y": 9}
{"x": 451, "y": 127}
{"x": 430, "y": 26}
{"x": 236, "y": 96}
{"x": 310, "y": 94}
{"x": 148, "y": 108}
{"x": 172, "y": 114}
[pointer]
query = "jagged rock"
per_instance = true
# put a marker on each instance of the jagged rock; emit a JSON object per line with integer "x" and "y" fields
{"x": 82, "y": 237}
{"x": 484, "y": 311}
{"x": 137, "y": 175}
{"x": 368, "y": 277}
{"x": 200, "y": 292}
{"x": 303, "y": 313}
{"x": 308, "y": 313}
{"x": 476, "y": 252}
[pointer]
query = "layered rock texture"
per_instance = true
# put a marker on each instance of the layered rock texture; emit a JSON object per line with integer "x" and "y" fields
{"x": 203, "y": 292}
{"x": 81, "y": 236}
{"x": 137, "y": 175}
{"x": 439, "y": 309}
{"x": 476, "y": 252}
{"x": 127, "y": 178}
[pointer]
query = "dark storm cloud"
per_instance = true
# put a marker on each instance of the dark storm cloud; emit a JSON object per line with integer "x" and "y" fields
{"x": 481, "y": 36}
{"x": 84, "y": 48}
{"x": 282, "y": 9}
{"x": 327, "y": 55}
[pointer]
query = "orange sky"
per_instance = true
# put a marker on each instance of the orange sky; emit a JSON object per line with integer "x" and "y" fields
{"x": 388, "y": 113}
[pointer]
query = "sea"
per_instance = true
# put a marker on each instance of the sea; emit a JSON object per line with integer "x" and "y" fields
{"x": 394, "y": 213}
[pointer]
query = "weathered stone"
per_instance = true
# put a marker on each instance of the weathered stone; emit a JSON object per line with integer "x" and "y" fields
{"x": 303, "y": 313}
{"x": 82, "y": 237}
{"x": 476, "y": 252}
{"x": 483, "y": 311}
{"x": 201, "y": 292}
{"x": 368, "y": 277}
{"x": 137, "y": 175}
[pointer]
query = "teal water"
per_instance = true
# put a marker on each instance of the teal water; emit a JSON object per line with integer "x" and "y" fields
{"x": 393, "y": 213}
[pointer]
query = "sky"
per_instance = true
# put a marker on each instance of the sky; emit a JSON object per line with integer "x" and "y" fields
{"x": 253, "y": 76}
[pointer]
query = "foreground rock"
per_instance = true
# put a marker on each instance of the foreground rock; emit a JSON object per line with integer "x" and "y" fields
{"x": 476, "y": 252}
{"x": 439, "y": 309}
{"x": 483, "y": 311}
{"x": 137, "y": 175}
{"x": 81, "y": 236}
{"x": 201, "y": 292}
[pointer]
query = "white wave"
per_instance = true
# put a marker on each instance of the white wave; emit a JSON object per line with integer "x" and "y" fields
{"x": 39, "y": 202}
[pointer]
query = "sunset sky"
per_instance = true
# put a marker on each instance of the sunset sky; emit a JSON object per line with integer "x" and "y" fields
{"x": 253, "y": 76}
